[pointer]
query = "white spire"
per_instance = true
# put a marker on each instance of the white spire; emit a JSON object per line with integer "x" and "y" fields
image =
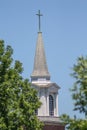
{"x": 40, "y": 69}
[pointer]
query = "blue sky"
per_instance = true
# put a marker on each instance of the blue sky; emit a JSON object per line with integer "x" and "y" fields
{"x": 64, "y": 27}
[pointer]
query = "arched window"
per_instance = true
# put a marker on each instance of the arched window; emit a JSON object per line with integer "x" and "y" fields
{"x": 36, "y": 111}
{"x": 51, "y": 105}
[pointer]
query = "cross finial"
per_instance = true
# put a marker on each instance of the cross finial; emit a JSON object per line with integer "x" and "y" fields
{"x": 39, "y": 15}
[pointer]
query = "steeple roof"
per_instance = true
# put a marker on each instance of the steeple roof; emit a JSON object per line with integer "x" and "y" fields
{"x": 40, "y": 69}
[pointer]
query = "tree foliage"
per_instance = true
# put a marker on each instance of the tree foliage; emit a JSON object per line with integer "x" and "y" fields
{"x": 73, "y": 123}
{"x": 79, "y": 90}
{"x": 79, "y": 95}
{"x": 18, "y": 101}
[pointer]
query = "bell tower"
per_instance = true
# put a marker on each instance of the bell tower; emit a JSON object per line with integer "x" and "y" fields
{"x": 47, "y": 90}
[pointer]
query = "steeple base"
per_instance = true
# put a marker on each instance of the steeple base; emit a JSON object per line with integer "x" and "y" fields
{"x": 52, "y": 123}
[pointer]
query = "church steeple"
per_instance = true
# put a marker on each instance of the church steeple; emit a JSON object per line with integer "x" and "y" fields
{"x": 40, "y": 69}
{"x": 47, "y": 91}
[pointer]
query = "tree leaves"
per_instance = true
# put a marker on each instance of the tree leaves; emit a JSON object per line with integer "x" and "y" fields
{"x": 80, "y": 86}
{"x": 18, "y": 101}
{"x": 79, "y": 95}
{"x": 73, "y": 123}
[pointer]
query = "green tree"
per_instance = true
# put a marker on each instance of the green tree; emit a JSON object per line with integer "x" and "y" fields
{"x": 79, "y": 90}
{"x": 73, "y": 123}
{"x": 79, "y": 95}
{"x": 18, "y": 101}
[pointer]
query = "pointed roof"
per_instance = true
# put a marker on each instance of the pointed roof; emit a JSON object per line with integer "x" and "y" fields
{"x": 40, "y": 66}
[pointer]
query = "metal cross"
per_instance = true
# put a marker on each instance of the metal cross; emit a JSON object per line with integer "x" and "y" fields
{"x": 39, "y": 15}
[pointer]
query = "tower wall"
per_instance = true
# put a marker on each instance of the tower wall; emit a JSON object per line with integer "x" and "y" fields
{"x": 53, "y": 127}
